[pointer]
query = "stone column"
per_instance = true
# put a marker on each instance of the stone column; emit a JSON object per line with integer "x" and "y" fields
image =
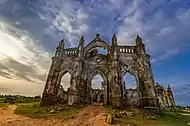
{"x": 49, "y": 95}
{"x": 77, "y": 81}
{"x": 115, "y": 83}
{"x": 104, "y": 87}
{"x": 170, "y": 97}
{"x": 73, "y": 96}
{"x": 147, "y": 87}
{"x": 116, "y": 98}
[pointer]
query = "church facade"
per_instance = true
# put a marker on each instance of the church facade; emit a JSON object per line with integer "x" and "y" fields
{"x": 84, "y": 62}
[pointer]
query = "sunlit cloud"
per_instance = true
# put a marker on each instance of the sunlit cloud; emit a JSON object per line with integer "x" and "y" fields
{"x": 31, "y": 30}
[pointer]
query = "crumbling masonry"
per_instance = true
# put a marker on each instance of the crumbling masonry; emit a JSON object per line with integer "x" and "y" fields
{"x": 166, "y": 98}
{"x": 84, "y": 62}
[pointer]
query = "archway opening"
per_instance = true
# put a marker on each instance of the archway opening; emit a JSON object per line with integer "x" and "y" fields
{"x": 129, "y": 81}
{"x": 97, "y": 90}
{"x": 64, "y": 88}
{"x": 130, "y": 92}
{"x": 102, "y": 51}
{"x": 97, "y": 51}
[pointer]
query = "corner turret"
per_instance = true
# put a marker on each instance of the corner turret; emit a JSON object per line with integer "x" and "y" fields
{"x": 60, "y": 48}
{"x": 114, "y": 46}
{"x": 140, "y": 48}
{"x": 81, "y": 46}
{"x": 114, "y": 40}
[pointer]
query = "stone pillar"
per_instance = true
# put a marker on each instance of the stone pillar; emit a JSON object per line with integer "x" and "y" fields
{"x": 147, "y": 87}
{"x": 98, "y": 98}
{"x": 104, "y": 87}
{"x": 115, "y": 83}
{"x": 116, "y": 98}
{"x": 75, "y": 93}
{"x": 73, "y": 96}
{"x": 49, "y": 95}
{"x": 170, "y": 97}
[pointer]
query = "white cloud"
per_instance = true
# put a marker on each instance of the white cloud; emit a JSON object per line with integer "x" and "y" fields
{"x": 67, "y": 17}
{"x": 183, "y": 15}
{"x": 165, "y": 31}
{"x": 164, "y": 56}
{"x": 22, "y": 59}
{"x": 160, "y": 33}
{"x": 21, "y": 87}
{"x": 3, "y": 1}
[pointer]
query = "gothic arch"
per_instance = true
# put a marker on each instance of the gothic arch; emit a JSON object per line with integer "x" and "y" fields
{"x": 133, "y": 73}
{"x": 83, "y": 63}
{"x": 97, "y": 42}
{"x": 105, "y": 81}
{"x": 62, "y": 73}
{"x": 98, "y": 71}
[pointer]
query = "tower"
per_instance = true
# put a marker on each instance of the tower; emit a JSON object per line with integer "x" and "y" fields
{"x": 60, "y": 48}
{"x": 170, "y": 96}
{"x": 147, "y": 87}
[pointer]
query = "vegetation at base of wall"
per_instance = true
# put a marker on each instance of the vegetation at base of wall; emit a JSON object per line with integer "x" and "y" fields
{"x": 35, "y": 111}
{"x": 144, "y": 118}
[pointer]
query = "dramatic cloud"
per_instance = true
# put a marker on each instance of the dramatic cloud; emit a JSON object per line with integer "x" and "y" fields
{"x": 22, "y": 55}
{"x": 31, "y": 30}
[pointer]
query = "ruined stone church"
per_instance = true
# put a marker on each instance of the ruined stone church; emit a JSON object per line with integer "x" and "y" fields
{"x": 85, "y": 62}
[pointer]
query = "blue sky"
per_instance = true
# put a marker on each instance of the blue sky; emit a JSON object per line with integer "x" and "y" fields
{"x": 31, "y": 29}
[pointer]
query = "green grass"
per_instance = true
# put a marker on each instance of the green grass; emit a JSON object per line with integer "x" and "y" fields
{"x": 166, "y": 118}
{"x": 2, "y": 104}
{"x": 35, "y": 111}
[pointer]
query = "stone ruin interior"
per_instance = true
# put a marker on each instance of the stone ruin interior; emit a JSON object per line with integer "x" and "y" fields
{"x": 84, "y": 62}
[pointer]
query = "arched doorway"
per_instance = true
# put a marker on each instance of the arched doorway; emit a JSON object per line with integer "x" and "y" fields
{"x": 97, "y": 87}
{"x": 97, "y": 90}
{"x": 64, "y": 82}
{"x": 130, "y": 90}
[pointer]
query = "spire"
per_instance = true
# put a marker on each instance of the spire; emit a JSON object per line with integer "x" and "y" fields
{"x": 62, "y": 43}
{"x": 114, "y": 39}
{"x": 60, "y": 48}
{"x": 139, "y": 40}
{"x": 169, "y": 87}
{"x": 81, "y": 47}
{"x": 81, "y": 42}
{"x": 97, "y": 36}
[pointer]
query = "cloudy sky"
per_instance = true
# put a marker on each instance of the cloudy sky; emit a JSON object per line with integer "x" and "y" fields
{"x": 31, "y": 29}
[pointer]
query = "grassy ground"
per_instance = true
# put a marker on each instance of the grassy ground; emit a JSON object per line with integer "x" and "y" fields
{"x": 165, "y": 118}
{"x": 35, "y": 111}
{"x": 168, "y": 117}
{"x": 2, "y": 104}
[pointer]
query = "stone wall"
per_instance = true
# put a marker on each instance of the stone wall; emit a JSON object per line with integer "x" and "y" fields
{"x": 165, "y": 96}
{"x": 84, "y": 62}
{"x": 131, "y": 98}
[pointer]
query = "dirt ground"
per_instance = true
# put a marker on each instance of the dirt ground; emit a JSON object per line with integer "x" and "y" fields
{"x": 89, "y": 116}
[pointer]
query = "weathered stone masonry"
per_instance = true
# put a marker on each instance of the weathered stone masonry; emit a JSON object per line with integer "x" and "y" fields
{"x": 166, "y": 98}
{"x": 84, "y": 62}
